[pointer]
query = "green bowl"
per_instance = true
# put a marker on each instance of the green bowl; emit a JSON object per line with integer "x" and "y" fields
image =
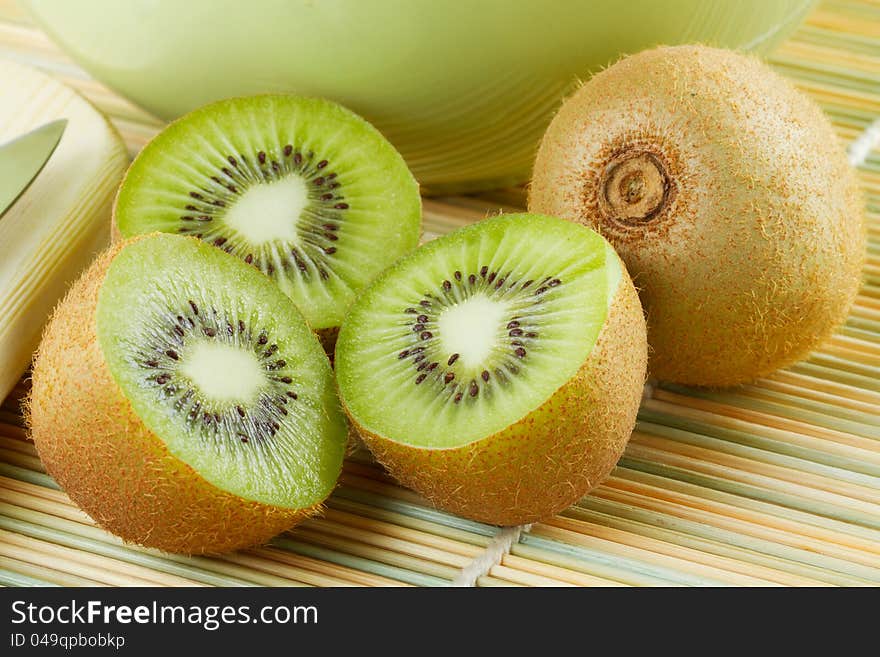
{"x": 463, "y": 89}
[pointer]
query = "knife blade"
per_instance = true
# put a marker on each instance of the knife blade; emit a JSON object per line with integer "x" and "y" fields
{"x": 22, "y": 159}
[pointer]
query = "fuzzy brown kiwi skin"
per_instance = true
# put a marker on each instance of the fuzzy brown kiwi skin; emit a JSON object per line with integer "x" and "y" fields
{"x": 754, "y": 252}
{"x": 553, "y": 456}
{"x": 114, "y": 468}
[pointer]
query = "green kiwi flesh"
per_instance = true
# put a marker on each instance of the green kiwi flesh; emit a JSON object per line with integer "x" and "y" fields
{"x": 301, "y": 188}
{"x": 472, "y": 332}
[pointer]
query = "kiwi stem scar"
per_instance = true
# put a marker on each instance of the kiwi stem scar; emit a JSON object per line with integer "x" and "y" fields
{"x": 634, "y": 188}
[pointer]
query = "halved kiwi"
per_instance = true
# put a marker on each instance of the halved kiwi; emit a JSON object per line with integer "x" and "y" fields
{"x": 300, "y": 188}
{"x": 182, "y": 400}
{"x": 497, "y": 370}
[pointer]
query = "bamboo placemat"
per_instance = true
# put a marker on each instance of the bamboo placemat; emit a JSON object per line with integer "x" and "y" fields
{"x": 776, "y": 483}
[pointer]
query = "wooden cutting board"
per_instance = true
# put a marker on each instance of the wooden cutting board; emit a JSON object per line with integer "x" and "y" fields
{"x": 55, "y": 228}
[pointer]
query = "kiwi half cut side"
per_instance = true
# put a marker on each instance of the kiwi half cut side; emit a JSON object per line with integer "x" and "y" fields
{"x": 497, "y": 370}
{"x": 301, "y": 188}
{"x": 183, "y": 402}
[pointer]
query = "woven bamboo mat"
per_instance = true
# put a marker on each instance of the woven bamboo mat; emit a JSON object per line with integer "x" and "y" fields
{"x": 776, "y": 483}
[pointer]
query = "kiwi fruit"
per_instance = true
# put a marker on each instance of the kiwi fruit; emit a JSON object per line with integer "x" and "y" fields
{"x": 182, "y": 401}
{"x": 728, "y": 196}
{"x": 301, "y": 188}
{"x": 497, "y": 370}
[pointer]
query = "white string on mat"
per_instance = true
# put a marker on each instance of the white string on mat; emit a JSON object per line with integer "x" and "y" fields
{"x": 858, "y": 150}
{"x": 495, "y": 551}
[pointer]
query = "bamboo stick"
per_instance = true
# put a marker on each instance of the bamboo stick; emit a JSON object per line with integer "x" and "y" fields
{"x": 826, "y": 555}
{"x": 74, "y": 562}
{"x": 754, "y": 470}
{"x": 848, "y": 547}
{"x": 41, "y": 574}
{"x": 351, "y": 576}
{"x": 752, "y": 509}
{"x": 572, "y": 531}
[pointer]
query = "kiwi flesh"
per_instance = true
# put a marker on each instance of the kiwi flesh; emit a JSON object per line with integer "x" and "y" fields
{"x": 497, "y": 370}
{"x": 728, "y": 196}
{"x": 183, "y": 402}
{"x": 300, "y": 188}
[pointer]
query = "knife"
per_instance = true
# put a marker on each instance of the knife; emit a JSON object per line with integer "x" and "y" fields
{"x": 22, "y": 159}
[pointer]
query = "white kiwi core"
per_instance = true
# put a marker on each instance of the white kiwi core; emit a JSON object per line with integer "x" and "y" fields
{"x": 222, "y": 372}
{"x": 470, "y": 329}
{"x": 269, "y": 212}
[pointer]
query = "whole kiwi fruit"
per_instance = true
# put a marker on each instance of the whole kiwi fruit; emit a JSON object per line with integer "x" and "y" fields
{"x": 727, "y": 194}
